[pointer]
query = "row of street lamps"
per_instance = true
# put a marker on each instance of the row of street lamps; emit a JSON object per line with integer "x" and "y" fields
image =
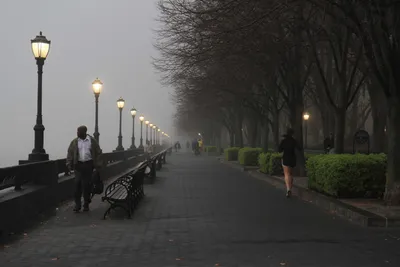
{"x": 155, "y": 132}
{"x": 40, "y": 48}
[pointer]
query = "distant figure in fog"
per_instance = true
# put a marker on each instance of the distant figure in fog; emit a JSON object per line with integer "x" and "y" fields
{"x": 195, "y": 145}
{"x": 329, "y": 143}
{"x": 200, "y": 144}
{"x": 148, "y": 151}
{"x": 177, "y": 146}
{"x": 84, "y": 155}
{"x": 288, "y": 146}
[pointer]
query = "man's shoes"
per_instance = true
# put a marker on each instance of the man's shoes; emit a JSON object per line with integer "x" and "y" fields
{"x": 86, "y": 207}
{"x": 77, "y": 209}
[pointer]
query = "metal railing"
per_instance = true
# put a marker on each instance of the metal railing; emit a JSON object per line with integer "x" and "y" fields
{"x": 41, "y": 172}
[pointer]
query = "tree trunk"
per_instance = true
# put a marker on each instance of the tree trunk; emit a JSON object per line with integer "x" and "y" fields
{"x": 231, "y": 138}
{"x": 352, "y": 123}
{"x": 252, "y": 132}
{"x": 340, "y": 116}
{"x": 296, "y": 120}
{"x": 379, "y": 115}
{"x": 260, "y": 134}
{"x": 275, "y": 132}
{"x": 265, "y": 137}
{"x": 392, "y": 194}
{"x": 239, "y": 133}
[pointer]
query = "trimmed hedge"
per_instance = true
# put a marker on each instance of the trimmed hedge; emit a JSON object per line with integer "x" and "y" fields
{"x": 211, "y": 149}
{"x": 271, "y": 162}
{"x": 263, "y": 162}
{"x": 347, "y": 175}
{"x": 248, "y": 156}
{"x": 231, "y": 153}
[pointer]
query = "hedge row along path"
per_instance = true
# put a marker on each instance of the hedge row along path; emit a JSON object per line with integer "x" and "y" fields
{"x": 202, "y": 213}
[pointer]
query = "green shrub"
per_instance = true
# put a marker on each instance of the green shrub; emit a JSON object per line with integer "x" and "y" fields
{"x": 248, "y": 156}
{"x": 211, "y": 149}
{"x": 271, "y": 162}
{"x": 347, "y": 175}
{"x": 231, "y": 153}
{"x": 275, "y": 164}
{"x": 263, "y": 162}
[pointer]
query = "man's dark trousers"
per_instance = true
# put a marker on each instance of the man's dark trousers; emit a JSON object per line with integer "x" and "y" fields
{"x": 83, "y": 182}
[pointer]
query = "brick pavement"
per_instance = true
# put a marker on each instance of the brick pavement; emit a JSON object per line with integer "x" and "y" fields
{"x": 202, "y": 213}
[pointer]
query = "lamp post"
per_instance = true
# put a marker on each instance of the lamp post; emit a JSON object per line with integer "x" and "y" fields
{"x": 147, "y": 130}
{"x": 154, "y": 134}
{"x": 151, "y": 134}
{"x": 162, "y": 138}
{"x": 40, "y": 48}
{"x": 158, "y": 136}
{"x": 120, "y": 105}
{"x": 141, "y": 118}
{"x": 133, "y": 113}
{"x": 97, "y": 85}
{"x": 306, "y": 117}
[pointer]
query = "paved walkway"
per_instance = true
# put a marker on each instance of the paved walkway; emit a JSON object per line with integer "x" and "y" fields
{"x": 203, "y": 213}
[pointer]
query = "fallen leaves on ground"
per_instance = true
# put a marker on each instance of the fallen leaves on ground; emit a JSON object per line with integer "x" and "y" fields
{"x": 283, "y": 263}
{"x": 55, "y": 259}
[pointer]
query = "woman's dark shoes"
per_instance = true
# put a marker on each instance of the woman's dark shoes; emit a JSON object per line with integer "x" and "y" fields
{"x": 86, "y": 207}
{"x": 77, "y": 209}
{"x": 288, "y": 194}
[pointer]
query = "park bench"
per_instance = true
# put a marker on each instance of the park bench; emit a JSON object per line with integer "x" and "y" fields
{"x": 155, "y": 164}
{"x": 126, "y": 191}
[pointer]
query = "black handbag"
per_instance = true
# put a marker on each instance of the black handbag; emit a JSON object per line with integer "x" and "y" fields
{"x": 97, "y": 184}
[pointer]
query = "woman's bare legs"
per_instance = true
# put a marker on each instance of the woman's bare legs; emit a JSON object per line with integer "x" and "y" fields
{"x": 288, "y": 179}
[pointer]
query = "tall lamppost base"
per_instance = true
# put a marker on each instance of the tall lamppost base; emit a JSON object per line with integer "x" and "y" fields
{"x": 141, "y": 143}
{"x": 119, "y": 148}
{"x": 133, "y": 147}
{"x": 38, "y": 157}
{"x": 35, "y": 157}
{"x": 97, "y": 137}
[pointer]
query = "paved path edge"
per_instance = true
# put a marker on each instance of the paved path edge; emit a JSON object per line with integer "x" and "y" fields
{"x": 329, "y": 204}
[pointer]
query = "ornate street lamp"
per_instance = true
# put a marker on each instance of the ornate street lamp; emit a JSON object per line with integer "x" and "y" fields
{"x": 154, "y": 134}
{"x": 97, "y": 85}
{"x": 141, "y": 118}
{"x": 133, "y": 113}
{"x": 120, "y": 105}
{"x": 40, "y": 49}
{"x": 306, "y": 117}
{"x": 158, "y": 136}
{"x": 151, "y": 134}
{"x": 147, "y": 130}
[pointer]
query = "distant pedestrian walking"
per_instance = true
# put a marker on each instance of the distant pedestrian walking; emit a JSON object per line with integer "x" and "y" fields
{"x": 84, "y": 155}
{"x": 329, "y": 144}
{"x": 148, "y": 151}
{"x": 177, "y": 146}
{"x": 288, "y": 146}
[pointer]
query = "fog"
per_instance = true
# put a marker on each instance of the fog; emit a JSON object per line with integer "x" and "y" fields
{"x": 111, "y": 40}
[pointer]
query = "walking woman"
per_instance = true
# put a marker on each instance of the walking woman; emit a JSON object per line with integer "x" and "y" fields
{"x": 288, "y": 146}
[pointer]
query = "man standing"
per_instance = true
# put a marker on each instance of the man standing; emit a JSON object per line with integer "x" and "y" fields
{"x": 84, "y": 155}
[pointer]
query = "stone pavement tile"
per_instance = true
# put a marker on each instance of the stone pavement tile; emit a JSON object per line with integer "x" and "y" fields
{"x": 202, "y": 213}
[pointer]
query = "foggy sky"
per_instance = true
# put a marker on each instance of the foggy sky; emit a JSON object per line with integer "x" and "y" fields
{"x": 108, "y": 39}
